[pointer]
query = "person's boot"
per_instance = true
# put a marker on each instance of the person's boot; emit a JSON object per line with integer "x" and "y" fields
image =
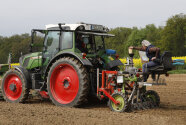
{"x": 145, "y": 77}
{"x": 153, "y": 77}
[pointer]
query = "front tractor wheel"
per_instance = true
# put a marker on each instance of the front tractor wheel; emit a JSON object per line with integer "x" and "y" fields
{"x": 14, "y": 87}
{"x": 67, "y": 83}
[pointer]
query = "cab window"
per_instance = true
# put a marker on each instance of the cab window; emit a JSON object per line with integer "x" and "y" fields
{"x": 52, "y": 41}
{"x": 99, "y": 42}
{"x": 67, "y": 40}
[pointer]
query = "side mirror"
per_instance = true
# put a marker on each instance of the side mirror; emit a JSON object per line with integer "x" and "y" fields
{"x": 34, "y": 33}
{"x": 31, "y": 45}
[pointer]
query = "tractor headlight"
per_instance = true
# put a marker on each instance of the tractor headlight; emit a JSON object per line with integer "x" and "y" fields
{"x": 119, "y": 79}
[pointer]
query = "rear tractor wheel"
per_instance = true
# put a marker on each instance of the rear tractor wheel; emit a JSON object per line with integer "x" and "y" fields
{"x": 122, "y": 99}
{"x": 14, "y": 87}
{"x": 68, "y": 83}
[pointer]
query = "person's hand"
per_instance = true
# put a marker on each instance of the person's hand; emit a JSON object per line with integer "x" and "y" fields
{"x": 131, "y": 47}
{"x": 153, "y": 58}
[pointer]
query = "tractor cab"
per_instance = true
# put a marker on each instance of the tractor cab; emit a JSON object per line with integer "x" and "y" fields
{"x": 84, "y": 41}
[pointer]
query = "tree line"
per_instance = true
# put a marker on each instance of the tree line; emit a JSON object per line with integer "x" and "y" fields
{"x": 171, "y": 37}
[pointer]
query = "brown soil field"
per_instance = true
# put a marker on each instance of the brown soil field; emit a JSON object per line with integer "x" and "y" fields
{"x": 172, "y": 110}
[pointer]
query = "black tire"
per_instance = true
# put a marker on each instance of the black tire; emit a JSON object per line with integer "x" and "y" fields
{"x": 124, "y": 107}
{"x": 83, "y": 87}
{"x": 23, "y": 91}
{"x": 154, "y": 97}
{"x": 1, "y": 95}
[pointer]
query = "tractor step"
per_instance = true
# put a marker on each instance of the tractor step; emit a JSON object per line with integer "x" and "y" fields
{"x": 36, "y": 81}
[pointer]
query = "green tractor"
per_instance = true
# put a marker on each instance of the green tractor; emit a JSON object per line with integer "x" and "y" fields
{"x": 66, "y": 70}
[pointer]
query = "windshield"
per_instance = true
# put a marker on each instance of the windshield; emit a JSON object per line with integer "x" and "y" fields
{"x": 90, "y": 42}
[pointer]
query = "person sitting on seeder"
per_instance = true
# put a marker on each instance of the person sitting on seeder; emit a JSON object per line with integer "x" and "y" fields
{"x": 153, "y": 53}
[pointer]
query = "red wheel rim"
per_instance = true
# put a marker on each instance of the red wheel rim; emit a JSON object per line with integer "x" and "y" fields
{"x": 13, "y": 87}
{"x": 64, "y": 83}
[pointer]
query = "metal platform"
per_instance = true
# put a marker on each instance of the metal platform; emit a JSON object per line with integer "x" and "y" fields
{"x": 150, "y": 84}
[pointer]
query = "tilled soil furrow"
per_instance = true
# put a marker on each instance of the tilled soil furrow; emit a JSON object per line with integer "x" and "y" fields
{"x": 172, "y": 110}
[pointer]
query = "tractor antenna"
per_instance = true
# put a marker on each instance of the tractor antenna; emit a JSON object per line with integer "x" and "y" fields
{"x": 60, "y": 27}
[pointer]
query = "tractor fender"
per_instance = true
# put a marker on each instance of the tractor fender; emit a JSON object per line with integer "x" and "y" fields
{"x": 85, "y": 61}
{"x": 25, "y": 74}
{"x": 114, "y": 63}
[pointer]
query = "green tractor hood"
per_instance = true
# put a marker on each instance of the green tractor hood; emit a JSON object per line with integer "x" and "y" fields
{"x": 32, "y": 60}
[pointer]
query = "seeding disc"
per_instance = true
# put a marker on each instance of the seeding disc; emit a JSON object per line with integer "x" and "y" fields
{"x": 153, "y": 95}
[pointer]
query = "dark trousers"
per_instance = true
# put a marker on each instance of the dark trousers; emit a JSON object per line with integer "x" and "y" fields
{"x": 145, "y": 69}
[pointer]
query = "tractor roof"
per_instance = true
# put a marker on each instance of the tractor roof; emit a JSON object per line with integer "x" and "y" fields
{"x": 78, "y": 27}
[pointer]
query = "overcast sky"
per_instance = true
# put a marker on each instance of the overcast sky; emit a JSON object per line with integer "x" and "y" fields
{"x": 20, "y": 16}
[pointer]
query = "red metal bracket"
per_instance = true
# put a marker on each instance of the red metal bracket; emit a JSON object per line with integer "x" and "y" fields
{"x": 106, "y": 88}
{"x": 110, "y": 97}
